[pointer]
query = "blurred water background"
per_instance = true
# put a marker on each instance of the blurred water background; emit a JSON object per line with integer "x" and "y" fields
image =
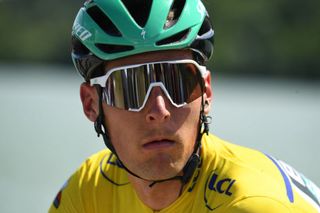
{"x": 266, "y": 83}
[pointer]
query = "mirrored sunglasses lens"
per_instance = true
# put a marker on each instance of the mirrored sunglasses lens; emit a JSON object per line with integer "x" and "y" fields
{"x": 183, "y": 82}
{"x": 127, "y": 88}
{"x": 114, "y": 93}
{"x": 138, "y": 84}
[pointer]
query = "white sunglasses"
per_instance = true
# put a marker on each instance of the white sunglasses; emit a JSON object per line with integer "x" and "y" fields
{"x": 129, "y": 87}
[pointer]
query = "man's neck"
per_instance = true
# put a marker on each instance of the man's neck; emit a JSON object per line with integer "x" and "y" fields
{"x": 160, "y": 195}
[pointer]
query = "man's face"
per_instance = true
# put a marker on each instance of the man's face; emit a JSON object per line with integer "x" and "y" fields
{"x": 156, "y": 142}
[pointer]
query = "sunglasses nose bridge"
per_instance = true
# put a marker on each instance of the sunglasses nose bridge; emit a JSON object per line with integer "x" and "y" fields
{"x": 157, "y": 108}
{"x": 158, "y": 89}
{"x": 156, "y": 93}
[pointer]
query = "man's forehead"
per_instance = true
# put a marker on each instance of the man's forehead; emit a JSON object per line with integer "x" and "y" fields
{"x": 150, "y": 57}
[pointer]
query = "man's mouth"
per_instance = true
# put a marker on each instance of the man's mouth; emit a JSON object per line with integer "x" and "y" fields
{"x": 159, "y": 144}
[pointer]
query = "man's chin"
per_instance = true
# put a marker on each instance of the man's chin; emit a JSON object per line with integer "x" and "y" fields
{"x": 162, "y": 172}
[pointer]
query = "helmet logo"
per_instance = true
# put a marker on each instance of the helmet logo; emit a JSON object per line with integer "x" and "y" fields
{"x": 143, "y": 34}
{"x": 81, "y": 32}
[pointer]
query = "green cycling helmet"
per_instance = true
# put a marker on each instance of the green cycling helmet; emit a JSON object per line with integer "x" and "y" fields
{"x": 110, "y": 29}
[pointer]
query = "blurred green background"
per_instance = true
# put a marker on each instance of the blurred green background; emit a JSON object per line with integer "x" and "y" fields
{"x": 275, "y": 38}
{"x": 266, "y": 83}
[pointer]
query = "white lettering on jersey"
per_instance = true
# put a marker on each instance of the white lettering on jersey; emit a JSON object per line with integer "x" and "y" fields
{"x": 305, "y": 187}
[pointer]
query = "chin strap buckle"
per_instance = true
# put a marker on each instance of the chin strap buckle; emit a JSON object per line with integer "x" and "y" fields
{"x": 206, "y": 120}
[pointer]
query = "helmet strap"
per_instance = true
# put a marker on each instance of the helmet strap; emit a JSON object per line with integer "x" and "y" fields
{"x": 99, "y": 124}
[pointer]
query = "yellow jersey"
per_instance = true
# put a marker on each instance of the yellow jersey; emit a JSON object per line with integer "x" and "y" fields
{"x": 230, "y": 178}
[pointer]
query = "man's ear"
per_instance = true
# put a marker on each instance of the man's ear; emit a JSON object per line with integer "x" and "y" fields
{"x": 90, "y": 100}
{"x": 208, "y": 95}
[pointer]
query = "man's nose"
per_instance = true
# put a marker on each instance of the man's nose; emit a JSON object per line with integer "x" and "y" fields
{"x": 157, "y": 106}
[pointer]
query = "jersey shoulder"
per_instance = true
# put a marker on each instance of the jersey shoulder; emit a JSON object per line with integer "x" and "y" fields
{"x": 79, "y": 190}
{"x": 237, "y": 174}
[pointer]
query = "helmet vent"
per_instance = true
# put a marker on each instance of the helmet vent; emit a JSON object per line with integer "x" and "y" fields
{"x": 205, "y": 27}
{"x": 139, "y": 10}
{"x": 103, "y": 21}
{"x": 111, "y": 48}
{"x": 174, "y": 13}
{"x": 175, "y": 38}
{"x": 78, "y": 48}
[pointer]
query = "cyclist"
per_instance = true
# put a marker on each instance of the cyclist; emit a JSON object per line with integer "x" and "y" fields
{"x": 148, "y": 93}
